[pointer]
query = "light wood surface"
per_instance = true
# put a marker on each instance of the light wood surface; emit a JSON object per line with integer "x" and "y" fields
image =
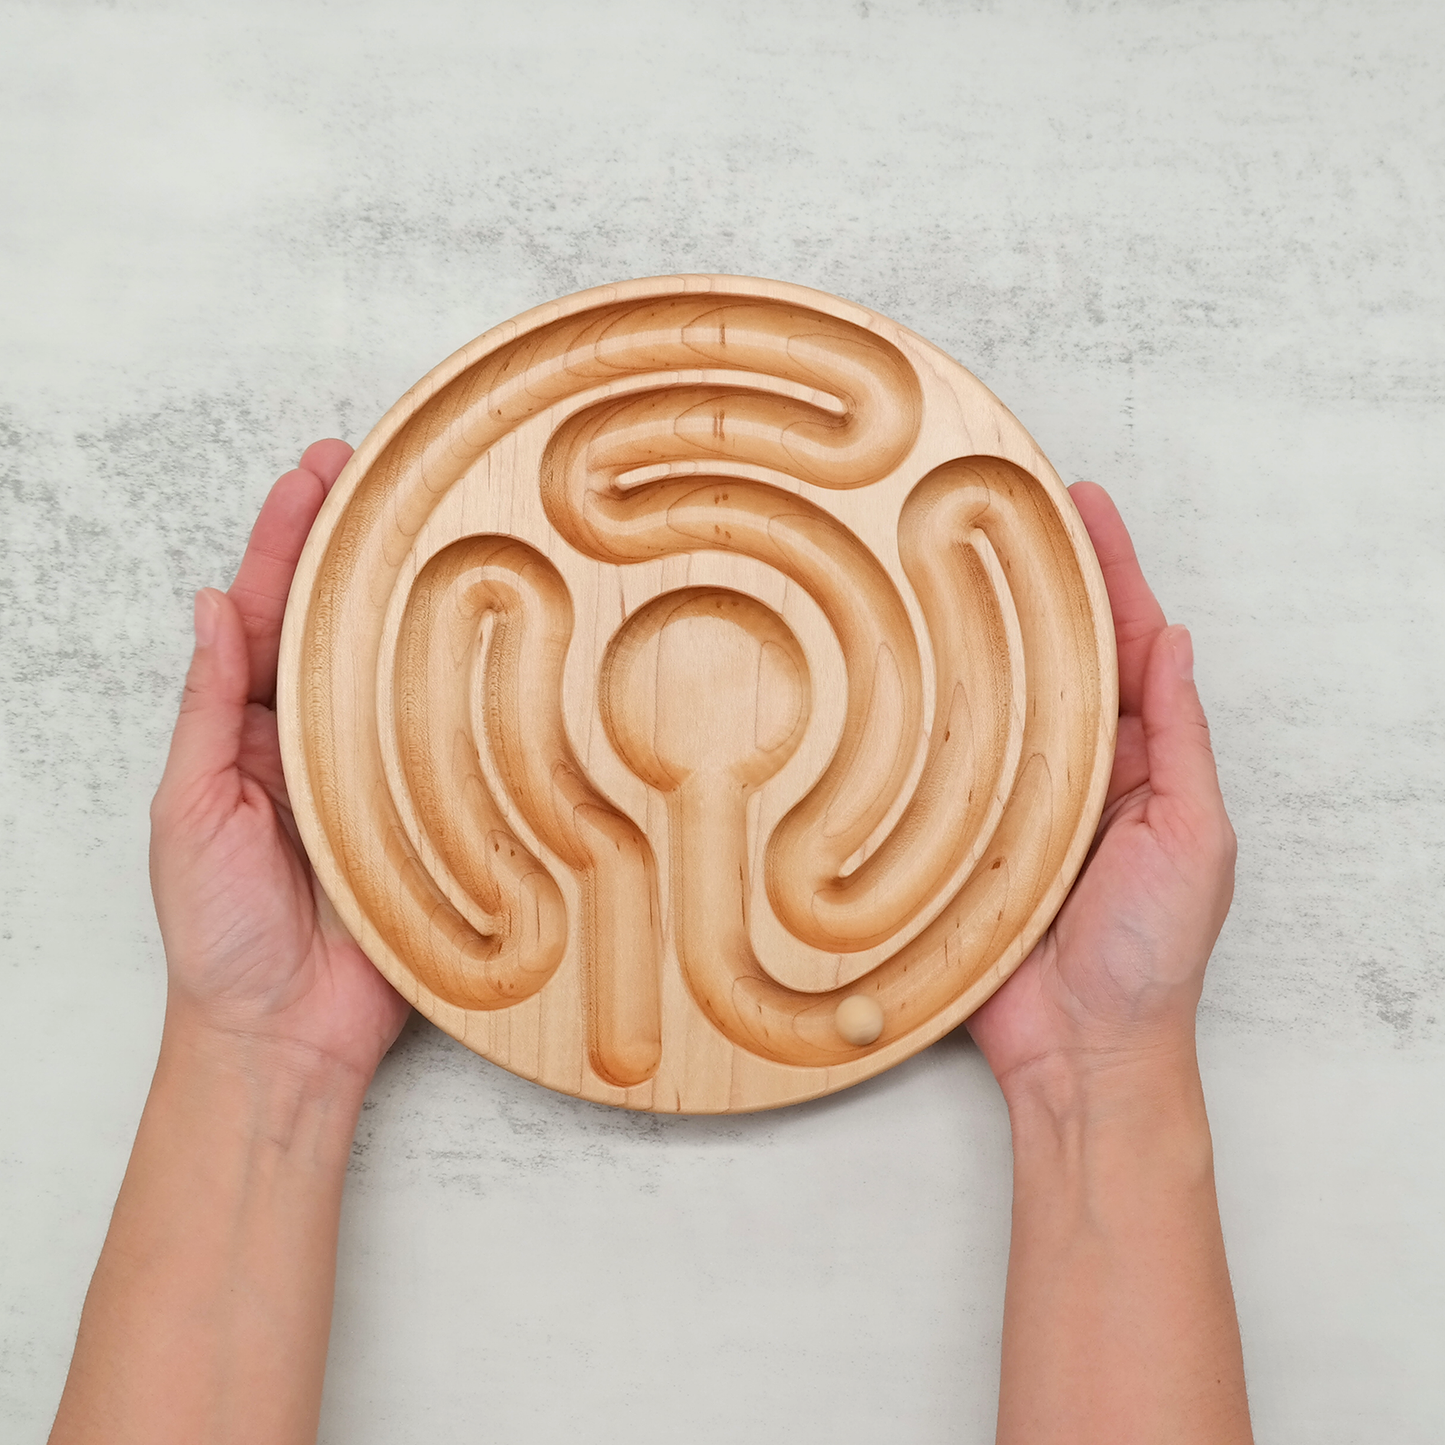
{"x": 698, "y": 694}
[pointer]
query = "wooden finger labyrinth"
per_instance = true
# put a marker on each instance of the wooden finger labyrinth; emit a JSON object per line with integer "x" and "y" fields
{"x": 698, "y": 694}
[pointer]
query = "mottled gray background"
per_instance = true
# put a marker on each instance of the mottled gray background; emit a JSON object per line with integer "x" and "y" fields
{"x": 1195, "y": 246}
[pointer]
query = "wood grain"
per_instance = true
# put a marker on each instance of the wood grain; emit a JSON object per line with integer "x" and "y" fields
{"x": 698, "y": 694}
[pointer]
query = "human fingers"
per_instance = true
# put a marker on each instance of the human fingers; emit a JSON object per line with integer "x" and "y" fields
{"x": 264, "y": 578}
{"x": 1138, "y": 617}
{"x": 1182, "y": 770}
{"x": 326, "y": 459}
{"x": 207, "y": 736}
{"x": 1131, "y": 762}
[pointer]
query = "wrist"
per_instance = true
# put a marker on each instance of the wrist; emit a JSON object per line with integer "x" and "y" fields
{"x": 294, "y": 1043}
{"x": 1081, "y": 1080}
{"x": 1120, "y": 1107}
{"x": 269, "y": 1086}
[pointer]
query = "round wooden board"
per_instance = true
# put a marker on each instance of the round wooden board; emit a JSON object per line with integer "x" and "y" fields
{"x": 698, "y": 694}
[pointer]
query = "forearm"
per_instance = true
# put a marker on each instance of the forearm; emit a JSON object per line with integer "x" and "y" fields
{"x": 1119, "y": 1321}
{"x": 208, "y": 1315}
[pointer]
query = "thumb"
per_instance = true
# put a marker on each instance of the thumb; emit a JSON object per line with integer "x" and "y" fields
{"x": 207, "y": 737}
{"x": 1176, "y": 735}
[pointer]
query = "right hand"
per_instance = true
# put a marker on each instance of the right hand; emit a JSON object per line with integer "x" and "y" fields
{"x": 254, "y": 950}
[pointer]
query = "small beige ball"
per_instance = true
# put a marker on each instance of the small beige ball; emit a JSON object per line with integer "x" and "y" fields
{"x": 859, "y": 1019}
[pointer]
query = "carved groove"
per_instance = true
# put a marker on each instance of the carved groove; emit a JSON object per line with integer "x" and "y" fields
{"x": 447, "y": 728}
{"x": 618, "y": 934}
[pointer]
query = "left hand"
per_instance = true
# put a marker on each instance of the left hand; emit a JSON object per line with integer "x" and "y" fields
{"x": 1116, "y": 979}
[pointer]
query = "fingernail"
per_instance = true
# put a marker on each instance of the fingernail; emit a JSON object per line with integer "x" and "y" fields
{"x": 1184, "y": 653}
{"x": 205, "y": 617}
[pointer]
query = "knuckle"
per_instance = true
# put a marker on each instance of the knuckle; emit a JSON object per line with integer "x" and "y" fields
{"x": 193, "y": 699}
{"x": 1199, "y": 727}
{"x": 179, "y": 812}
{"x": 1219, "y": 841}
{"x": 168, "y": 808}
{"x": 1207, "y": 838}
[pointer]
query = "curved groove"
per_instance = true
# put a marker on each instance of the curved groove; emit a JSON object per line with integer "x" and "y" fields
{"x": 620, "y": 936}
{"x": 436, "y": 649}
{"x": 998, "y": 900}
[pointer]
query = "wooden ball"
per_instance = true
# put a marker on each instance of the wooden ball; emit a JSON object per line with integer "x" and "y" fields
{"x": 859, "y": 1019}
